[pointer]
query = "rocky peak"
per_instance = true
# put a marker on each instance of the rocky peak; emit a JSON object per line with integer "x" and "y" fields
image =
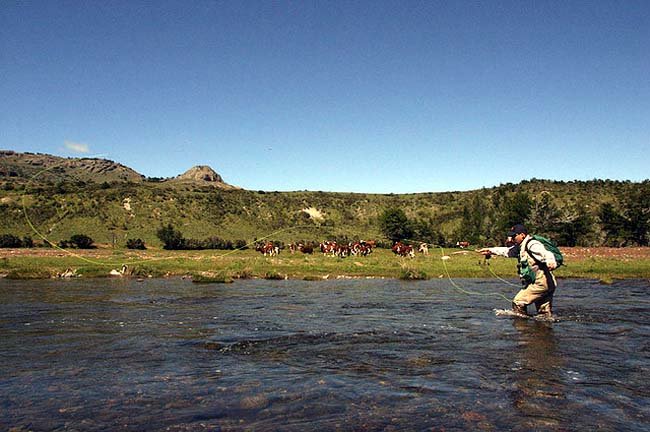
{"x": 201, "y": 173}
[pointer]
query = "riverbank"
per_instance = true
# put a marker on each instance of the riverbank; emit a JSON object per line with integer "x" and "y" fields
{"x": 605, "y": 264}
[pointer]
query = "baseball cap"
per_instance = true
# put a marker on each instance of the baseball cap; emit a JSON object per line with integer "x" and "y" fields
{"x": 517, "y": 229}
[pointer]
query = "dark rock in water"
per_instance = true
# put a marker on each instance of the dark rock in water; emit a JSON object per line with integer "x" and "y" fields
{"x": 254, "y": 402}
{"x": 213, "y": 346}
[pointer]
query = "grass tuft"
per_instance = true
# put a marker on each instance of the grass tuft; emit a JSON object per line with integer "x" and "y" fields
{"x": 206, "y": 277}
{"x": 273, "y": 275}
{"x": 412, "y": 275}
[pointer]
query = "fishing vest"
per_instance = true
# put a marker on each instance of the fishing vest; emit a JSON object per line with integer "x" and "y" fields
{"x": 527, "y": 273}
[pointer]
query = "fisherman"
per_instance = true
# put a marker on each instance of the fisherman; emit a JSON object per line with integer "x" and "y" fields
{"x": 535, "y": 266}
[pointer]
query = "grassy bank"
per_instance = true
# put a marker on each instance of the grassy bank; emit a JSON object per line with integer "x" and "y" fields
{"x": 225, "y": 266}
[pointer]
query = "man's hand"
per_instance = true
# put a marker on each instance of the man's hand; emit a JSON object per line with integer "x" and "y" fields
{"x": 484, "y": 251}
{"x": 551, "y": 266}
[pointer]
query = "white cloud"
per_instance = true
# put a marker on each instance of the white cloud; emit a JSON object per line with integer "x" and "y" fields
{"x": 76, "y": 147}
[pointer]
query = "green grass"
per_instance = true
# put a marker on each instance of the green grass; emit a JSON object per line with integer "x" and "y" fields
{"x": 225, "y": 266}
{"x": 608, "y": 269}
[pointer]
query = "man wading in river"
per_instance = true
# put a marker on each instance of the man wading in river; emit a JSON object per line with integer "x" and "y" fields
{"x": 535, "y": 266}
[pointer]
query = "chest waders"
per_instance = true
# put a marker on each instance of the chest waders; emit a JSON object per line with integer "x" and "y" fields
{"x": 527, "y": 276}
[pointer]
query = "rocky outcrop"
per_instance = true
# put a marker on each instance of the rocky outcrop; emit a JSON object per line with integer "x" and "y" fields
{"x": 44, "y": 167}
{"x": 38, "y": 167}
{"x": 203, "y": 175}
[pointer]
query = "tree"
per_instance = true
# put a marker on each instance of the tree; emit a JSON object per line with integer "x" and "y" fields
{"x": 81, "y": 241}
{"x": 424, "y": 231}
{"x": 613, "y": 224}
{"x": 514, "y": 209}
{"x": 28, "y": 242}
{"x": 575, "y": 227}
{"x": 630, "y": 224}
{"x": 637, "y": 211}
{"x": 472, "y": 226}
{"x": 135, "y": 244}
{"x": 171, "y": 238}
{"x": 395, "y": 225}
{"x": 544, "y": 215}
{"x": 10, "y": 241}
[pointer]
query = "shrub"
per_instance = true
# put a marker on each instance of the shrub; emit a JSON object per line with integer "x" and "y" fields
{"x": 10, "y": 241}
{"x": 192, "y": 244}
{"x": 82, "y": 241}
{"x": 217, "y": 243}
{"x": 135, "y": 244}
{"x": 171, "y": 238}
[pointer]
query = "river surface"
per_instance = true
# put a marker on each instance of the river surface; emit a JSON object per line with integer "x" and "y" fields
{"x": 349, "y": 355}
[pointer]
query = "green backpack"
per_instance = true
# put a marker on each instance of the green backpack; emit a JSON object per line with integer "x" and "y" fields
{"x": 551, "y": 247}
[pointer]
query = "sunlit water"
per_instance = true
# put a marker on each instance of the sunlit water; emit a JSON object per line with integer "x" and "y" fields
{"x": 96, "y": 355}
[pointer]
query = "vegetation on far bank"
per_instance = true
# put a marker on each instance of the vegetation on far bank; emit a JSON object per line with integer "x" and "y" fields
{"x": 164, "y": 227}
{"x": 597, "y": 213}
{"x": 226, "y": 266}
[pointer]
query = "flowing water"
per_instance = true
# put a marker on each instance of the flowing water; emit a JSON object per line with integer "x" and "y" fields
{"x": 169, "y": 355}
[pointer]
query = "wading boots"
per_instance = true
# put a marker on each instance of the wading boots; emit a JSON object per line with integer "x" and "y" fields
{"x": 518, "y": 309}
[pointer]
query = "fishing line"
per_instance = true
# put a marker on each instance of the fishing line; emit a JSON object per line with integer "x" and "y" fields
{"x": 500, "y": 278}
{"x": 465, "y": 291}
{"x": 455, "y": 285}
{"x": 38, "y": 233}
{"x": 274, "y": 233}
{"x": 141, "y": 261}
{"x": 496, "y": 275}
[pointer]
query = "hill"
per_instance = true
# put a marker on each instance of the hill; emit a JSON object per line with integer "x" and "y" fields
{"x": 202, "y": 175}
{"x": 58, "y": 197}
{"x": 43, "y": 168}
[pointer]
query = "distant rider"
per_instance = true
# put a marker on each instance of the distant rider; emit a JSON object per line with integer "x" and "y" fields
{"x": 535, "y": 265}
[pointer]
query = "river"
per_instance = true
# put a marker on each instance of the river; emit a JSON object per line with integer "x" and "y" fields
{"x": 349, "y": 355}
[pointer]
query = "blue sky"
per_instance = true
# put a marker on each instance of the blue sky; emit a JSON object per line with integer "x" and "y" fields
{"x": 348, "y": 96}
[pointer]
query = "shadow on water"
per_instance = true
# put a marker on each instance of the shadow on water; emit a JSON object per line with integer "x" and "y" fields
{"x": 537, "y": 394}
{"x": 335, "y": 355}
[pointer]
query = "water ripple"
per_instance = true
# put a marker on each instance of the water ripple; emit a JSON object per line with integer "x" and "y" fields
{"x": 169, "y": 355}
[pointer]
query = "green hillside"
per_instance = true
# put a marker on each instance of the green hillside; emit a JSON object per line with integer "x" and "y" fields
{"x": 59, "y": 197}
